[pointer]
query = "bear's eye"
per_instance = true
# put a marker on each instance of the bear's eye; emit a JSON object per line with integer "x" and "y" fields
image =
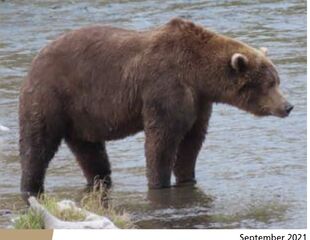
{"x": 251, "y": 85}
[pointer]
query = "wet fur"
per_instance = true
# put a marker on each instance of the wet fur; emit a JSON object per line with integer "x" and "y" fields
{"x": 100, "y": 83}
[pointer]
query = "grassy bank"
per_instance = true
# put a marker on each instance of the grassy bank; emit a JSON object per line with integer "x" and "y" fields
{"x": 96, "y": 201}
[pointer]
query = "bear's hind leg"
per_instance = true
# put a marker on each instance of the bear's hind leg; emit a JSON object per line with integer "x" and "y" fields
{"x": 93, "y": 159}
{"x": 37, "y": 147}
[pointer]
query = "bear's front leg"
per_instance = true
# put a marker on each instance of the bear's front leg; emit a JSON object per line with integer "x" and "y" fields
{"x": 168, "y": 114}
{"x": 160, "y": 151}
{"x": 164, "y": 130}
{"x": 184, "y": 166}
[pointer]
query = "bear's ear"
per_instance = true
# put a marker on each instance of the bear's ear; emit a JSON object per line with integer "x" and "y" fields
{"x": 264, "y": 50}
{"x": 239, "y": 62}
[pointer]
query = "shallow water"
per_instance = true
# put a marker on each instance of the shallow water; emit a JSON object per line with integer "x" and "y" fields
{"x": 251, "y": 172}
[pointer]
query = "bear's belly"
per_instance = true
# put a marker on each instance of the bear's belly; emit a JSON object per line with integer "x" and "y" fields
{"x": 94, "y": 130}
{"x": 123, "y": 130}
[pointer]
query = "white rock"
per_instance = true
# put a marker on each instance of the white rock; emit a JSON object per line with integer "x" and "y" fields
{"x": 92, "y": 221}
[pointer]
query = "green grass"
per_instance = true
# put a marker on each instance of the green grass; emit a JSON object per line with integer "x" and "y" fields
{"x": 96, "y": 201}
{"x": 29, "y": 220}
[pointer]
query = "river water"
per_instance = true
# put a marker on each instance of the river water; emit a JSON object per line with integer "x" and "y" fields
{"x": 251, "y": 171}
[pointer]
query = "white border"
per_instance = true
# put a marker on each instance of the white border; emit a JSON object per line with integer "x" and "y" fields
{"x": 308, "y": 108}
{"x": 175, "y": 234}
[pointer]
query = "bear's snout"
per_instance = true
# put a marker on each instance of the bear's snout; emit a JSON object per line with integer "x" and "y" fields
{"x": 284, "y": 111}
{"x": 288, "y": 108}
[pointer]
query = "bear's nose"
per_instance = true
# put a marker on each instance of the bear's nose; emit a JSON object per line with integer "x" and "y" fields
{"x": 288, "y": 108}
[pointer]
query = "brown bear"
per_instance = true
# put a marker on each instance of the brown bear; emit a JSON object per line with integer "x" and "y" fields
{"x": 101, "y": 83}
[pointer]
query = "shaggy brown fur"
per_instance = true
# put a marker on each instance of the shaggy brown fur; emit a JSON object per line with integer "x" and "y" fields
{"x": 101, "y": 83}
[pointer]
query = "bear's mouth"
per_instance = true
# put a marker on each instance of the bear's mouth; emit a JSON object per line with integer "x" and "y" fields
{"x": 280, "y": 114}
{"x": 266, "y": 111}
{"x": 261, "y": 112}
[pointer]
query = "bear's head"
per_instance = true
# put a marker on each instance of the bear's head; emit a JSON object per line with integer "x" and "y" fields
{"x": 228, "y": 70}
{"x": 250, "y": 80}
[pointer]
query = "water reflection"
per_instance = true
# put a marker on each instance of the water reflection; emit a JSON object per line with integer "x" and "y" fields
{"x": 178, "y": 197}
{"x": 177, "y": 207}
